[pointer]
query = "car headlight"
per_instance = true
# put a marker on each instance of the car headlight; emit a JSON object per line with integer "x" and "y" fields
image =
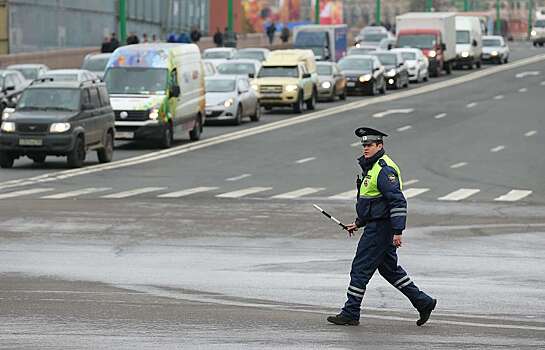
{"x": 465, "y": 54}
{"x": 291, "y": 88}
{"x": 533, "y": 33}
{"x": 228, "y": 103}
{"x": 154, "y": 114}
{"x": 5, "y": 115}
{"x": 365, "y": 77}
{"x": 8, "y": 127}
{"x": 59, "y": 127}
{"x": 326, "y": 84}
{"x": 391, "y": 73}
{"x": 432, "y": 53}
{"x": 494, "y": 53}
{"x": 255, "y": 87}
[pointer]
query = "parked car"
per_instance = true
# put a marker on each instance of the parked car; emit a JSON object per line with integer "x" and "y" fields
{"x": 230, "y": 97}
{"x": 218, "y": 55}
{"x": 417, "y": 64}
{"x": 397, "y": 72}
{"x": 59, "y": 118}
{"x": 253, "y": 53}
{"x": 96, "y": 63}
{"x": 364, "y": 74}
{"x": 372, "y": 36}
{"x": 331, "y": 81}
{"x": 247, "y": 67}
{"x": 69, "y": 75}
{"x": 537, "y": 34}
{"x": 29, "y": 71}
{"x": 361, "y": 50}
{"x": 495, "y": 49}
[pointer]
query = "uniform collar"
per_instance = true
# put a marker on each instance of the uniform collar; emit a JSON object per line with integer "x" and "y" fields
{"x": 367, "y": 164}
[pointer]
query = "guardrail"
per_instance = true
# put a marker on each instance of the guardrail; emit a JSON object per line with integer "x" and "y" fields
{"x": 72, "y": 58}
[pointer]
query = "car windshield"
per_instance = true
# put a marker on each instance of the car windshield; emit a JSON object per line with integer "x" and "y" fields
{"x": 217, "y": 54}
{"x": 417, "y": 41}
{"x": 133, "y": 80}
{"x": 387, "y": 59}
{"x": 540, "y": 24}
{"x": 462, "y": 37}
{"x": 251, "y": 55}
{"x": 409, "y": 56}
{"x": 324, "y": 70}
{"x": 220, "y": 85}
{"x": 364, "y": 64}
{"x": 95, "y": 64}
{"x": 491, "y": 42}
{"x": 236, "y": 68}
{"x": 374, "y": 37}
{"x": 61, "y": 77}
{"x": 291, "y": 72}
{"x": 360, "y": 51}
{"x": 29, "y": 73}
{"x": 47, "y": 98}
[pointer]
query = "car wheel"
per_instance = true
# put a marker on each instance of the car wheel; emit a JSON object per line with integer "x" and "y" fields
{"x": 196, "y": 132}
{"x": 167, "y": 137}
{"x": 257, "y": 114}
{"x": 373, "y": 91}
{"x": 333, "y": 94}
{"x": 106, "y": 154}
{"x": 506, "y": 60}
{"x": 311, "y": 104}
{"x": 407, "y": 82}
{"x": 77, "y": 156}
{"x": 448, "y": 68}
{"x": 6, "y": 160}
{"x": 298, "y": 105}
{"x": 478, "y": 64}
{"x": 238, "y": 116}
{"x": 343, "y": 95}
{"x": 38, "y": 158}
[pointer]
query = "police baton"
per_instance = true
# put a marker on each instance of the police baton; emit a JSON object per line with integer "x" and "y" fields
{"x": 335, "y": 220}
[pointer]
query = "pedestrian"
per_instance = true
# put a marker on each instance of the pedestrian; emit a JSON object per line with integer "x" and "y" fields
{"x": 154, "y": 38}
{"x": 145, "y": 38}
{"x": 105, "y": 47}
{"x": 229, "y": 38}
{"x": 171, "y": 38}
{"x": 132, "y": 39}
{"x": 218, "y": 38}
{"x": 271, "y": 29}
{"x": 381, "y": 207}
{"x": 285, "y": 34}
{"x": 195, "y": 34}
{"x": 114, "y": 43}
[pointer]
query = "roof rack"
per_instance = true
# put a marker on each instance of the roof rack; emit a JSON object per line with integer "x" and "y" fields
{"x": 42, "y": 80}
{"x": 91, "y": 81}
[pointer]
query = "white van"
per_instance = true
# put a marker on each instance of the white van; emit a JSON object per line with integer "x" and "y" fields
{"x": 156, "y": 91}
{"x": 469, "y": 45}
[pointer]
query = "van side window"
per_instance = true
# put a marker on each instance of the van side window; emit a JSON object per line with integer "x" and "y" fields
{"x": 85, "y": 97}
{"x": 93, "y": 95}
{"x": 104, "y": 98}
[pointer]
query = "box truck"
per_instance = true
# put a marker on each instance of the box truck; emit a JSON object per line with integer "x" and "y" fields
{"x": 328, "y": 42}
{"x": 469, "y": 43}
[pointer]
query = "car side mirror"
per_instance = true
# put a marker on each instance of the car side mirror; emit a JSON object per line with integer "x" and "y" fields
{"x": 376, "y": 69}
{"x": 443, "y": 46}
{"x": 400, "y": 65}
{"x": 174, "y": 91}
{"x": 9, "y": 88}
{"x": 251, "y": 75}
{"x": 306, "y": 75}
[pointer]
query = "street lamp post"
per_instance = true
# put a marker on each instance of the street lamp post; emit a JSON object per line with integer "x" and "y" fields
{"x": 429, "y": 5}
{"x": 530, "y": 19}
{"x": 317, "y": 12}
{"x": 498, "y": 18}
{"x": 378, "y": 15}
{"x": 229, "y": 16}
{"x": 122, "y": 21}
{"x": 466, "y": 5}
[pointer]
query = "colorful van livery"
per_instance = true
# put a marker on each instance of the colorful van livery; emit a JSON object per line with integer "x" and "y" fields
{"x": 156, "y": 91}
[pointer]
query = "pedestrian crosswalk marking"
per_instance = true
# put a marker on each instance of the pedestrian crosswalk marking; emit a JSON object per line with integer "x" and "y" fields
{"x": 413, "y": 192}
{"x": 244, "y": 192}
{"x": 530, "y": 133}
{"x": 305, "y": 160}
{"x": 439, "y": 116}
{"x": 187, "y": 192}
{"x": 76, "y": 193}
{"x": 410, "y": 182}
{"x": 131, "y": 193}
{"x": 24, "y": 193}
{"x": 298, "y": 193}
{"x": 345, "y": 195}
{"x": 458, "y": 165}
{"x": 513, "y": 196}
{"x": 460, "y": 194}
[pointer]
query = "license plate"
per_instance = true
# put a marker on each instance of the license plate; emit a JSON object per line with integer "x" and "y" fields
{"x": 350, "y": 84}
{"x": 486, "y": 56}
{"x": 30, "y": 142}
{"x": 124, "y": 135}
{"x": 208, "y": 112}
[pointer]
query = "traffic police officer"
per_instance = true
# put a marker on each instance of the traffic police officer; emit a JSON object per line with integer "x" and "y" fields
{"x": 382, "y": 209}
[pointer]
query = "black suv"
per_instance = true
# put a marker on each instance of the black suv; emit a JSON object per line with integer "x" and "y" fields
{"x": 59, "y": 119}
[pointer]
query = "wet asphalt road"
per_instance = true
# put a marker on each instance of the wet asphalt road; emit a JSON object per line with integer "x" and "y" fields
{"x": 263, "y": 270}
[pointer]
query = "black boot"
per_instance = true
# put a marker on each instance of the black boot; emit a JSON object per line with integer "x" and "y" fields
{"x": 342, "y": 320}
{"x": 425, "y": 313}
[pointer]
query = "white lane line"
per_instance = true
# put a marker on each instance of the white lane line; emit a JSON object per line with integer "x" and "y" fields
{"x": 240, "y": 177}
{"x": 76, "y": 193}
{"x": 497, "y": 148}
{"x": 413, "y": 192}
{"x": 404, "y": 128}
{"x": 299, "y": 193}
{"x": 24, "y": 193}
{"x": 355, "y": 144}
{"x": 530, "y": 133}
{"x": 439, "y": 116}
{"x": 523, "y": 89}
{"x": 513, "y": 196}
{"x": 132, "y": 193}
{"x": 393, "y": 111}
{"x": 240, "y": 134}
{"x": 187, "y": 192}
{"x": 499, "y": 97}
{"x": 410, "y": 182}
{"x": 471, "y": 105}
{"x": 525, "y": 74}
{"x": 244, "y": 192}
{"x": 345, "y": 195}
{"x": 458, "y": 165}
{"x": 305, "y": 160}
{"x": 460, "y": 194}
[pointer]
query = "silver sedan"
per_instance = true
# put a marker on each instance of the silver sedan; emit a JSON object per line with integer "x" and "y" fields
{"x": 230, "y": 97}
{"x": 332, "y": 82}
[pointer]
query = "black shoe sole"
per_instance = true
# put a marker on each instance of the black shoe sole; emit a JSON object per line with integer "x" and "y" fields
{"x": 425, "y": 316}
{"x": 339, "y": 322}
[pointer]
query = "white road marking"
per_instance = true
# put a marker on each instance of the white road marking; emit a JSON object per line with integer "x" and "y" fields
{"x": 299, "y": 193}
{"x": 240, "y": 134}
{"x": 345, "y": 195}
{"x": 236, "y": 178}
{"x": 523, "y": 89}
{"x": 404, "y": 128}
{"x": 243, "y": 192}
{"x": 24, "y": 192}
{"x": 410, "y": 182}
{"x": 497, "y": 148}
{"x": 460, "y": 194}
{"x": 355, "y": 144}
{"x": 525, "y": 74}
{"x": 439, "y": 116}
{"x": 498, "y": 97}
{"x": 305, "y": 160}
{"x": 471, "y": 105}
{"x": 513, "y": 196}
{"x": 187, "y": 192}
{"x": 132, "y": 193}
{"x": 530, "y": 133}
{"x": 413, "y": 192}
{"x": 393, "y": 111}
{"x": 458, "y": 165}
{"x": 76, "y": 193}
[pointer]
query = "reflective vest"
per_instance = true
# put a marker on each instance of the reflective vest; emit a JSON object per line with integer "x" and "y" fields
{"x": 369, "y": 188}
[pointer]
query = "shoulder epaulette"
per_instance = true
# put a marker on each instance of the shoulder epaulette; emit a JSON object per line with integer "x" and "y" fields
{"x": 382, "y": 163}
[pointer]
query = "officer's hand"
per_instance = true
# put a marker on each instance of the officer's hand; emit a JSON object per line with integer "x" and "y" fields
{"x": 351, "y": 228}
{"x": 397, "y": 240}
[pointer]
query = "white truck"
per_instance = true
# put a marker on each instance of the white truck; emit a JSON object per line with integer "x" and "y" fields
{"x": 432, "y": 32}
{"x": 469, "y": 43}
{"x": 328, "y": 42}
